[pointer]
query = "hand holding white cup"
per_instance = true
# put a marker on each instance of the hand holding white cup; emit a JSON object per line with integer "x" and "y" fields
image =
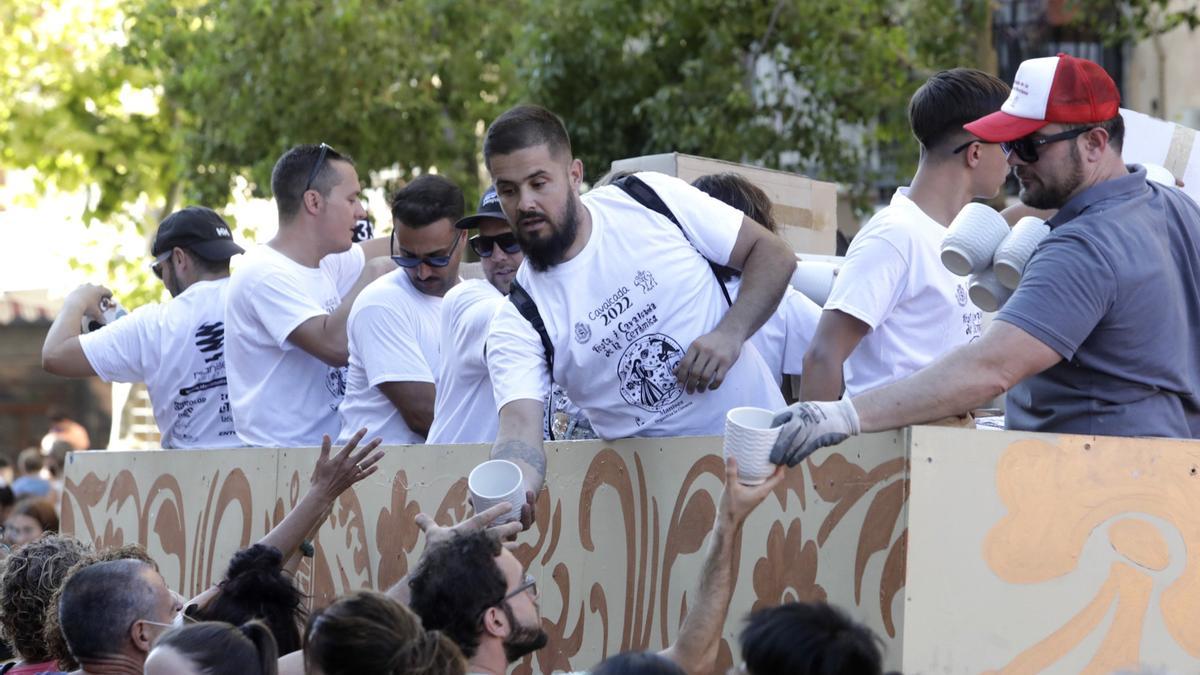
{"x": 494, "y": 482}
{"x": 972, "y": 239}
{"x": 749, "y": 438}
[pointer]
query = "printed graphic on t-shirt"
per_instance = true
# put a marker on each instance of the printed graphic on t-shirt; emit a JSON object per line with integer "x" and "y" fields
{"x": 647, "y": 372}
{"x": 335, "y": 379}
{"x": 209, "y": 339}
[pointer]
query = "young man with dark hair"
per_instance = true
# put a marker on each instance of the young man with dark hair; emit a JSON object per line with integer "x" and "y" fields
{"x": 474, "y": 590}
{"x": 894, "y": 308}
{"x": 808, "y": 638}
{"x": 1100, "y": 337}
{"x": 637, "y": 330}
{"x": 394, "y": 326}
{"x": 286, "y": 311}
{"x": 112, "y": 612}
{"x": 177, "y": 348}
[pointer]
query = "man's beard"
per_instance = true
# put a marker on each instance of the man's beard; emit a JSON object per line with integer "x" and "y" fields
{"x": 1054, "y": 196}
{"x": 545, "y": 252}
{"x": 523, "y": 639}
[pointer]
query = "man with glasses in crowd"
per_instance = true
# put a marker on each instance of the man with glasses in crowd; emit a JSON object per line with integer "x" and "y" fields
{"x": 394, "y": 327}
{"x": 465, "y": 409}
{"x": 286, "y": 311}
{"x": 176, "y": 348}
{"x": 1100, "y": 335}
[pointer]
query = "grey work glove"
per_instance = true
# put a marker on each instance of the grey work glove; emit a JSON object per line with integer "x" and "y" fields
{"x": 810, "y": 425}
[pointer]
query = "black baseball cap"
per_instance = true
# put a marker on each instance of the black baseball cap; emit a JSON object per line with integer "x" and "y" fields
{"x": 198, "y": 229}
{"x": 489, "y": 208}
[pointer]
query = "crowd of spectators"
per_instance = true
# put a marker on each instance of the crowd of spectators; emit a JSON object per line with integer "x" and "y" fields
{"x": 644, "y": 306}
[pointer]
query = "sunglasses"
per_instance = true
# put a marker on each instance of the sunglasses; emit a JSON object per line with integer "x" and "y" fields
{"x": 157, "y": 265}
{"x": 431, "y": 260}
{"x": 312, "y": 175}
{"x": 966, "y": 145}
{"x": 1027, "y": 147}
{"x": 528, "y": 583}
{"x": 482, "y": 245}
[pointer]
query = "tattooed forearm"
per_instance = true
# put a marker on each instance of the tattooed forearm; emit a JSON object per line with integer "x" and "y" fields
{"x": 522, "y": 451}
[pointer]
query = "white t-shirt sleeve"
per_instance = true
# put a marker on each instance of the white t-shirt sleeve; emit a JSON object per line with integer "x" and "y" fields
{"x": 281, "y": 305}
{"x": 801, "y": 315}
{"x": 345, "y": 268}
{"x": 469, "y": 317}
{"x": 389, "y": 346}
{"x": 516, "y": 359}
{"x": 871, "y": 280}
{"x": 711, "y": 225}
{"x": 121, "y": 351}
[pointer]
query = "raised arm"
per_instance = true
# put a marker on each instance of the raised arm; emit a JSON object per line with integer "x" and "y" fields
{"x": 325, "y": 336}
{"x": 519, "y": 440}
{"x": 695, "y": 648}
{"x": 837, "y": 336}
{"x": 61, "y": 352}
{"x": 767, "y": 264}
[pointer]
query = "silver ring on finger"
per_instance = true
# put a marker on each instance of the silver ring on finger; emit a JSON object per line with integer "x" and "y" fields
{"x": 360, "y": 467}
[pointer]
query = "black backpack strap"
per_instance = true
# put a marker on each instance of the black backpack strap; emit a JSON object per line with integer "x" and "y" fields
{"x": 646, "y": 196}
{"x": 525, "y": 305}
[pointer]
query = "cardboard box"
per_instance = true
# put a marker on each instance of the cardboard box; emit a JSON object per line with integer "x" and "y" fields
{"x": 805, "y": 209}
{"x": 1149, "y": 140}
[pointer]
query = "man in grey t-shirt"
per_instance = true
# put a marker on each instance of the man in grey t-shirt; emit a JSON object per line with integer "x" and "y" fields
{"x": 1101, "y": 335}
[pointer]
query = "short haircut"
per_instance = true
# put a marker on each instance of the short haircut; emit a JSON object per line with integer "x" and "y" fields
{"x": 206, "y": 265}
{"x": 31, "y": 576}
{"x": 217, "y": 648}
{"x": 256, "y": 587}
{"x": 291, "y": 172}
{"x": 948, "y": 100}
{"x": 808, "y": 638}
{"x": 99, "y": 603}
{"x": 456, "y": 581}
{"x": 368, "y": 632}
{"x": 40, "y": 509}
{"x": 30, "y": 461}
{"x": 525, "y": 126}
{"x": 738, "y": 192}
{"x": 637, "y": 663}
{"x": 426, "y": 200}
{"x": 1115, "y": 126}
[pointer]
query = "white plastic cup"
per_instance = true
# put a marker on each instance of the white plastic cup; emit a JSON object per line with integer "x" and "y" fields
{"x": 814, "y": 278}
{"x": 972, "y": 239}
{"x": 1016, "y": 249}
{"x": 749, "y": 438}
{"x": 494, "y": 482}
{"x": 987, "y": 292}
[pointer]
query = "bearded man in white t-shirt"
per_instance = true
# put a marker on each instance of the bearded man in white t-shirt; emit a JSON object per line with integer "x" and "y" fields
{"x": 394, "y": 327}
{"x": 642, "y": 336}
{"x": 286, "y": 312}
{"x": 894, "y": 308}
{"x": 465, "y": 409}
{"x": 177, "y": 347}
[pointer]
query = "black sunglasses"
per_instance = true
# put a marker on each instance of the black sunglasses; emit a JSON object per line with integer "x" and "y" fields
{"x": 431, "y": 260}
{"x": 482, "y": 244}
{"x": 157, "y": 265}
{"x": 312, "y": 175}
{"x": 966, "y": 145}
{"x": 1027, "y": 147}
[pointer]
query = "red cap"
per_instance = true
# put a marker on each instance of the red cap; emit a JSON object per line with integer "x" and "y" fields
{"x": 1060, "y": 89}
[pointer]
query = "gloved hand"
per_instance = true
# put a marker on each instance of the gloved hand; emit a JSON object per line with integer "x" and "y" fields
{"x": 810, "y": 425}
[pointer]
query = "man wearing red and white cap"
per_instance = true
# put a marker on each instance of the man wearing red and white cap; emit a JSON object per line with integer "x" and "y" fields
{"x": 1101, "y": 335}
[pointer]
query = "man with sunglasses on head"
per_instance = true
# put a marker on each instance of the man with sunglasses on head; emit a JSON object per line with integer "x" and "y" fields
{"x": 394, "y": 327}
{"x": 465, "y": 409}
{"x": 1100, "y": 336}
{"x": 176, "y": 348}
{"x": 894, "y": 308}
{"x": 286, "y": 311}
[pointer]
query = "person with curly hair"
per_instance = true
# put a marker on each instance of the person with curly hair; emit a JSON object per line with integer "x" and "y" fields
{"x": 257, "y": 587}
{"x": 368, "y": 632}
{"x": 215, "y": 648}
{"x": 30, "y": 579}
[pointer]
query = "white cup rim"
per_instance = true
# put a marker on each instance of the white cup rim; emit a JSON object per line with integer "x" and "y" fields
{"x": 490, "y": 464}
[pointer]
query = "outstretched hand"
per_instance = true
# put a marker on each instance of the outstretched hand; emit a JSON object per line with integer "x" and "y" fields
{"x": 483, "y": 520}
{"x": 739, "y": 500}
{"x": 334, "y": 475}
{"x": 810, "y": 425}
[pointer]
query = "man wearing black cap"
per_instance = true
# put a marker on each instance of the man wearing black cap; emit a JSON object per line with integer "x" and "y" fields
{"x": 176, "y": 348}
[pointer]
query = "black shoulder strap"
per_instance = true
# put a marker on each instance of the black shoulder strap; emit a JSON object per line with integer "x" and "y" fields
{"x": 647, "y": 197}
{"x": 525, "y": 305}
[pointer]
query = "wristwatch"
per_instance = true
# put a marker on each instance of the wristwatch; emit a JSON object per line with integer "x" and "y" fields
{"x": 307, "y": 549}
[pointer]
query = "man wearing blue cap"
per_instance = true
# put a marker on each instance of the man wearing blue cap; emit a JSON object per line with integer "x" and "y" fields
{"x": 177, "y": 348}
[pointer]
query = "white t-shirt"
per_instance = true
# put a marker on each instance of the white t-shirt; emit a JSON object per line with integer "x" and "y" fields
{"x": 893, "y": 280}
{"x": 623, "y": 312}
{"x": 178, "y": 350}
{"x": 465, "y": 410}
{"x": 282, "y": 395}
{"x": 394, "y": 337}
{"x": 785, "y": 337}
